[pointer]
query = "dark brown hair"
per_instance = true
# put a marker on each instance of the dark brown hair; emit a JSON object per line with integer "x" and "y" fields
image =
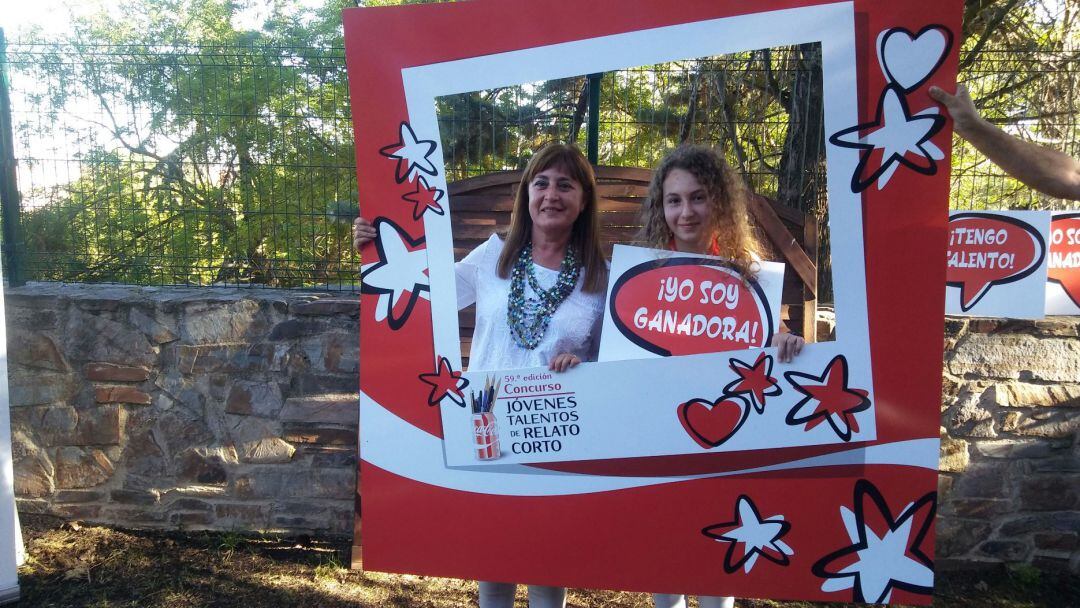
{"x": 585, "y": 234}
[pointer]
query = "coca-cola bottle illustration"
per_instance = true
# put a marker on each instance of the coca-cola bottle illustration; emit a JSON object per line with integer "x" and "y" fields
{"x": 486, "y": 436}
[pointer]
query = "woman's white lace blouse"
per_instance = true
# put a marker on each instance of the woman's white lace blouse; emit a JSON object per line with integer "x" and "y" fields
{"x": 574, "y": 328}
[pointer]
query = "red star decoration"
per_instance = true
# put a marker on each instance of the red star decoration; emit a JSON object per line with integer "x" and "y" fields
{"x": 445, "y": 382}
{"x": 424, "y": 198}
{"x": 830, "y": 400}
{"x": 754, "y": 380}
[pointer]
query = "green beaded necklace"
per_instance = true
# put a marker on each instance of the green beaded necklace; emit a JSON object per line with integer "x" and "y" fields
{"x": 528, "y": 318}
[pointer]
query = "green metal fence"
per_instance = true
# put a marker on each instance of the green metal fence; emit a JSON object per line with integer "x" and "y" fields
{"x": 234, "y": 165}
{"x": 1033, "y": 95}
{"x": 182, "y": 165}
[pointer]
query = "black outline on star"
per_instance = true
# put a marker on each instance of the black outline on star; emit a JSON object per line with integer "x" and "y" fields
{"x": 790, "y": 418}
{"x": 736, "y": 365}
{"x": 421, "y": 184}
{"x": 730, "y": 568}
{"x": 1028, "y": 228}
{"x": 864, "y": 488}
{"x": 395, "y": 323}
{"x": 432, "y": 379}
{"x": 409, "y": 163}
{"x": 696, "y": 435}
{"x": 914, "y": 36}
{"x": 867, "y": 149}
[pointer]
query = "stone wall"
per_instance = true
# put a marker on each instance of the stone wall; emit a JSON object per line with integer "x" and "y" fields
{"x": 194, "y": 408}
{"x": 1010, "y": 483}
{"x": 236, "y": 409}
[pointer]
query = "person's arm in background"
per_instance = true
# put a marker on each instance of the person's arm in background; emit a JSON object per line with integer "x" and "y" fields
{"x": 1048, "y": 171}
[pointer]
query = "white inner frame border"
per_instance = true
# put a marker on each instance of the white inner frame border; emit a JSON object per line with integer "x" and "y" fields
{"x": 832, "y": 25}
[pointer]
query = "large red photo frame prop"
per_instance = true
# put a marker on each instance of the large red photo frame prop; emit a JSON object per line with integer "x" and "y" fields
{"x": 847, "y": 520}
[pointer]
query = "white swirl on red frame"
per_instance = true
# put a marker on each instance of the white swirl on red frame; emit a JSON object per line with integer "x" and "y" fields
{"x": 425, "y": 462}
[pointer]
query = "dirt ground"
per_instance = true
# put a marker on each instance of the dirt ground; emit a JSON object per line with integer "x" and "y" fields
{"x": 72, "y": 565}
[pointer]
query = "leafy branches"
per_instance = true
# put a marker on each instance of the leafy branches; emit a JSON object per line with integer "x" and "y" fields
{"x": 229, "y": 143}
{"x": 209, "y": 151}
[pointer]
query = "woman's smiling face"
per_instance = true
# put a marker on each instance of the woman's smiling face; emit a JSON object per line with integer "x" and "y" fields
{"x": 555, "y": 200}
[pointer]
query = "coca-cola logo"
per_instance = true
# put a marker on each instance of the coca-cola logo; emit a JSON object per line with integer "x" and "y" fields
{"x": 686, "y": 306}
{"x": 484, "y": 430}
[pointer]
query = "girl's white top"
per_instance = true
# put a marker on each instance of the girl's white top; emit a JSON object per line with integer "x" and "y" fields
{"x": 574, "y": 328}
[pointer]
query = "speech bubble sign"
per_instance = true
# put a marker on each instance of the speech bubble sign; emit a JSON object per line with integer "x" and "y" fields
{"x": 687, "y": 306}
{"x": 987, "y": 249}
{"x": 1064, "y": 264}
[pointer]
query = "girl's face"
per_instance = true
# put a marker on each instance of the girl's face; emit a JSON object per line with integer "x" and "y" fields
{"x": 687, "y": 211}
{"x": 555, "y": 200}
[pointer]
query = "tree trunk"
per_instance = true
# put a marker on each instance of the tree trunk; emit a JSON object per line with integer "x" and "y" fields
{"x": 727, "y": 118}
{"x": 579, "y": 112}
{"x": 687, "y": 128}
{"x": 801, "y": 164}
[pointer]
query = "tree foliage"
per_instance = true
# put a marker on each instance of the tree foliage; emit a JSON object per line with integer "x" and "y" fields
{"x": 214, "y": 151}
{"x": 208, "y": 152}
{"x": 1020, "y": 60}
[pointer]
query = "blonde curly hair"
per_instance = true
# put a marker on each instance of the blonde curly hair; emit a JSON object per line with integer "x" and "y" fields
{"x": 733, "y": 236}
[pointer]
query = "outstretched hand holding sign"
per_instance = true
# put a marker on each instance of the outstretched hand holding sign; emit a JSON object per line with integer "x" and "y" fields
{"x": 362, "y": 233}
{"x": 1043, "y": 169}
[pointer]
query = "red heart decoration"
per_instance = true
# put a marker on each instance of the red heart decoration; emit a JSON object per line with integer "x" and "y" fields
{"x": 711, "y": 423}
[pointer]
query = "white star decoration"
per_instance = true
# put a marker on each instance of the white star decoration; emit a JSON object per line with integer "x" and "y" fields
{"x": 875, "y": 564}
{"x": 411, "y": 154}
{"x": 903, "y": 139}
{"x": 750, "y": 537}
{"x": 401, "y": 270}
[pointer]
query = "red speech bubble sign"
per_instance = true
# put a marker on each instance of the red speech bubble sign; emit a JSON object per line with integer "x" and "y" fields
{"x": 686, "y": 306}
{"x": 1064, "y": 263}
{"x": 986, "y": 250}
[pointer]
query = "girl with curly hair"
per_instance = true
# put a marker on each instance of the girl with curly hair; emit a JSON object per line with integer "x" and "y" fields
{"x": 697, "y": 204}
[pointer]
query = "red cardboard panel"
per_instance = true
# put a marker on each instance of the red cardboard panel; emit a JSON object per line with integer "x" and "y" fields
{"x": 844, "y": 520}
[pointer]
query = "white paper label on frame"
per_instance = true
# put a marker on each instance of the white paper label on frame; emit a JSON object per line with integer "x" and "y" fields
{"x": 996, "y": 264}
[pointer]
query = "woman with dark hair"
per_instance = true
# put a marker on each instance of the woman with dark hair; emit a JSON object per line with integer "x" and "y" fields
{"x": 539, "y": 293}
{"x": 697, "y": 204}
